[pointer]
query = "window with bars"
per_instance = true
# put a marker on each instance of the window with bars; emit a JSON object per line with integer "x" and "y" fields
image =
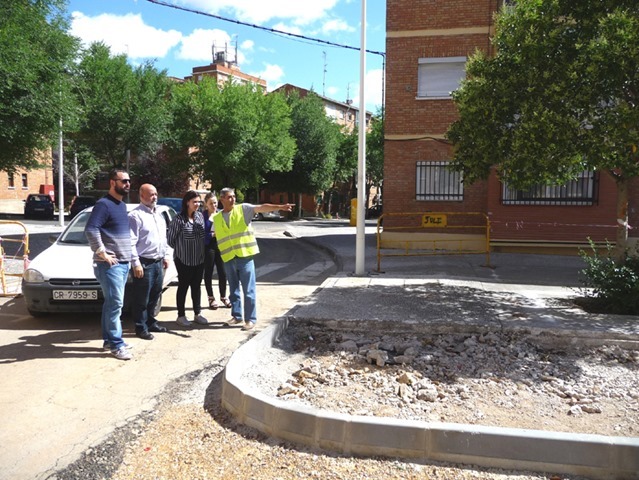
{"x": 438, "y": 77}
{"x": 435, "y": 181}
{"x": 581, "y": 191}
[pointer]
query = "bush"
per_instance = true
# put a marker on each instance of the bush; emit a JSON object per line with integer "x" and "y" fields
{"x": 611, "y": 286}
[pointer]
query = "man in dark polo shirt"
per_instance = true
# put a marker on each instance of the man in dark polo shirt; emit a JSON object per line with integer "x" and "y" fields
{"x": 110, "y": 240}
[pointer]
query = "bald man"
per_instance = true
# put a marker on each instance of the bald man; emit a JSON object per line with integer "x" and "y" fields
{"x": 149, "y": 259}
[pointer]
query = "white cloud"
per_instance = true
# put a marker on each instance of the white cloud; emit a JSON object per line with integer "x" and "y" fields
{"x": 332, "y": 92}
{"x": 282, "y": 27}
{"x": 260, "y": 11}
{"x": 374, "y": 90}
{"x": 126, "y": 34}
{"x": 271, "y": 73}
{"x": 336, "y": 25}
{"x": 198, "y": 45}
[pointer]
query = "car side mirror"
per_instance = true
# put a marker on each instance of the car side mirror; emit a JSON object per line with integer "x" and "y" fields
{"x": 53, "y": 238}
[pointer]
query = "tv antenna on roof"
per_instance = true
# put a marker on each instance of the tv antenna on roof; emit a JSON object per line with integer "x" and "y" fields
{"x": 324, "y": 76}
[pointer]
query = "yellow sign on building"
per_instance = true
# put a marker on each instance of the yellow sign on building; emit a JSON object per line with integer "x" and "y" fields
{"x": 435, "y": 220}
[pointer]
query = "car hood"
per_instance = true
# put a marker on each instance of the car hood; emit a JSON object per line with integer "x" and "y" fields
{"x": 68, "y": 261}
{"x": 77, "y": 261}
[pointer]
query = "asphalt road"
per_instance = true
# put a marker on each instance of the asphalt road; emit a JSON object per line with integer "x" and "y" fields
{"x": 61, "y": 393}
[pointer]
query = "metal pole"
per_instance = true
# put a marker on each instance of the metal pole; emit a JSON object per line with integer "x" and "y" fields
{"x": 61, "y": 179}
{"x": 360, "y": 237}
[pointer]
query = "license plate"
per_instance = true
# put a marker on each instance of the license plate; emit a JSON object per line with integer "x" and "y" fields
{"x": 75, "y": 294}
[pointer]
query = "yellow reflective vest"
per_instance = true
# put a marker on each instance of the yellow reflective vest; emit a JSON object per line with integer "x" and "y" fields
{"x": 235, "y": 239}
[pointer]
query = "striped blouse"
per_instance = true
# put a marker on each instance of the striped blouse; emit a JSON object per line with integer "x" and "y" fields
{"x": 187, "y": 239}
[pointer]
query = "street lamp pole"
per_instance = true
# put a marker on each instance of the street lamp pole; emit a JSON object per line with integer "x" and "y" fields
{"x": 360, "y": 235}
{"x": 61, "y": 178}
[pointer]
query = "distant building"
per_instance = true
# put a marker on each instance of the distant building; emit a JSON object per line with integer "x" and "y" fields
{"x": 222, "y": 70}
{"x": 343, "y": 113}
{"x": 15, "y": 187}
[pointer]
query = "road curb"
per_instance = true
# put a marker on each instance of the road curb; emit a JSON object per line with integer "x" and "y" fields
{"x": 597, "y": 456}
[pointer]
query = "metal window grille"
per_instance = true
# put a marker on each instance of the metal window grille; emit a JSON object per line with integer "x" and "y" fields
{"x": 581, "y": 191}
{"x": 435, "y": 181}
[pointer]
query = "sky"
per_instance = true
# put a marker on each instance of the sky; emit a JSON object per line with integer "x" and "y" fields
{"x": 177, "y": 40}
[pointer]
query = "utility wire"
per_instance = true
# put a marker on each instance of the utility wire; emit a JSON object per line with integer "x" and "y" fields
{"x": 266, "y": 29}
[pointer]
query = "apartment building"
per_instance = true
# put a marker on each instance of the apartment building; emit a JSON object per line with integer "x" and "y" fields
{"x": 427, "y": 45}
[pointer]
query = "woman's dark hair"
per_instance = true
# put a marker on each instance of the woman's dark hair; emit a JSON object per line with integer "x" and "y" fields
{"x": 188, "y": 196}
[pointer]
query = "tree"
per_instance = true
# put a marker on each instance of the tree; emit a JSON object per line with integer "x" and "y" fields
{"x": 35, "y": 52}
{"x": 559, "y": 97}
{"x": 317, "y": 140}
{"x": 233, "y": 135}
{"x": 123, "y": 109}
{"x": 375, "y": 152}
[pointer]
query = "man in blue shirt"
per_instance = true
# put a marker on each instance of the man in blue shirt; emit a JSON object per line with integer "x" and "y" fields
{"x": 148, "y": 261}
{"x": 110, "y": 240}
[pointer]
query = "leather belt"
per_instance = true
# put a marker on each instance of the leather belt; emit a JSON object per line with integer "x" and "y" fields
{"x": 149, "y": 261}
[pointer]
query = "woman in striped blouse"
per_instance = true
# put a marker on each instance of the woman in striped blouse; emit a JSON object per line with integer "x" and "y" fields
{"x": 186, "y": 237}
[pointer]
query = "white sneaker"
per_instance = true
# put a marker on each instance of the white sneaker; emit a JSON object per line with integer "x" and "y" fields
{"x": 201, "y": 320}
{"x": 233, "y": 321}
{"x": 107, "y": 346}
{"x": 122, "y": 354}
{"x": 183, "y": 322}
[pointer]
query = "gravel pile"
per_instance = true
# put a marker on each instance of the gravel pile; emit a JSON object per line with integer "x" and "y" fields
{"x": 493, "y": 379}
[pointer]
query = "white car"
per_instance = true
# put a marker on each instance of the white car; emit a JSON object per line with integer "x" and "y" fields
{"x": 61, "y": 279}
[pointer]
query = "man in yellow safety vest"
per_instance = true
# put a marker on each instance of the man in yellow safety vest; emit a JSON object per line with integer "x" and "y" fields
{"x": 236, "y": 241}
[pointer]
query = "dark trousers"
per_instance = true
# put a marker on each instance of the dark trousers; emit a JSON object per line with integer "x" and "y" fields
{"x": 146, "y": 292}
{"x": 188, "y": 277}
{"x": 214, "y": 260}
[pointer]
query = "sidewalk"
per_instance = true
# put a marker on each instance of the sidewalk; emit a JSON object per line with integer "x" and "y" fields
{"x": 457, "y": 293}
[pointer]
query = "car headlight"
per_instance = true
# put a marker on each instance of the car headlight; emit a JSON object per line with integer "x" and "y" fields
{"x": 32, "y": 276}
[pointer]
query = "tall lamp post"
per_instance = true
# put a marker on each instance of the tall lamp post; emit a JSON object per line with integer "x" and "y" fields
{"x": 360, "y": 229}
{"x": 61, "y": 179}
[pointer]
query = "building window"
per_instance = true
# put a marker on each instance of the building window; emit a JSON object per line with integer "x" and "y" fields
{"x": 12, "y": 182}
{"x": 25, "y": 183}
{"x": 435, "y": 181}
{"x": 581, "y": 191}
{"x": 439, "y": 77}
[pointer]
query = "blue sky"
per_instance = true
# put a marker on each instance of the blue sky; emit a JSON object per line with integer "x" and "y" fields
{"x": 178, "y": 40}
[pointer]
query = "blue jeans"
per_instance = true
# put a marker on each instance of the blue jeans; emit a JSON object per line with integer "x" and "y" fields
{"x": 112, "y": 280}
{"x": 242, "y": 271}
{"x": 145, "y": 293}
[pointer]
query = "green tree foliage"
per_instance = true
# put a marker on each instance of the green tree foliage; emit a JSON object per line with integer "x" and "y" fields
{"x": 35, "y": 52}
{"x": 122, "y": 108}
{"x": 375, "y": 152}
{"x": 317, "y": 140}
{"x": 236, "y": 133}
{"x": 558, "y": 97}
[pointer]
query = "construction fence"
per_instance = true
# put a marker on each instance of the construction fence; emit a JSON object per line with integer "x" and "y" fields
{"x": 432, "y": 233}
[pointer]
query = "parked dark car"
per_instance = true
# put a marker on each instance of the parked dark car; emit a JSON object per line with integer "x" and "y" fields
{"x": 38, "y": 206}
{"x": 79, "y": 203}
{"x": 174, "y": 203}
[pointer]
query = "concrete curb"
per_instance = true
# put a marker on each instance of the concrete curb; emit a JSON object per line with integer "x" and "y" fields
{"x": 596, "y": 456}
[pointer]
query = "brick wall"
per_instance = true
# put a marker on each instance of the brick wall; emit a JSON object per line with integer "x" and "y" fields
{"x": 415, "y": 130}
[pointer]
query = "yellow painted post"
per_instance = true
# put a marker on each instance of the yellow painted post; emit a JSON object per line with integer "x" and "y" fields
{"x": 353, "y": 221}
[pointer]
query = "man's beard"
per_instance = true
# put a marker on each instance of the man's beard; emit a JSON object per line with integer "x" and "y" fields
{"x": 121, "y": 190}
{"x": 151, "y": 204}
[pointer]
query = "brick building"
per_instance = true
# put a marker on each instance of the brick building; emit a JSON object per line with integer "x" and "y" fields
{"x": 427, "y": 45}
{"x": 14, "y": 188}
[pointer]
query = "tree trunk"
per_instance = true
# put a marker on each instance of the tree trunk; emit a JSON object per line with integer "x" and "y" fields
{"x": 622, "y": 219}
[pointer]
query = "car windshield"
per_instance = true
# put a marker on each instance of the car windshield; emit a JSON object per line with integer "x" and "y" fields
{"x": 74, "y": 233}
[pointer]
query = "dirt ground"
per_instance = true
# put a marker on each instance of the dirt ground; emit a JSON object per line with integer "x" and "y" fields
{"x": 513, "y": 380}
